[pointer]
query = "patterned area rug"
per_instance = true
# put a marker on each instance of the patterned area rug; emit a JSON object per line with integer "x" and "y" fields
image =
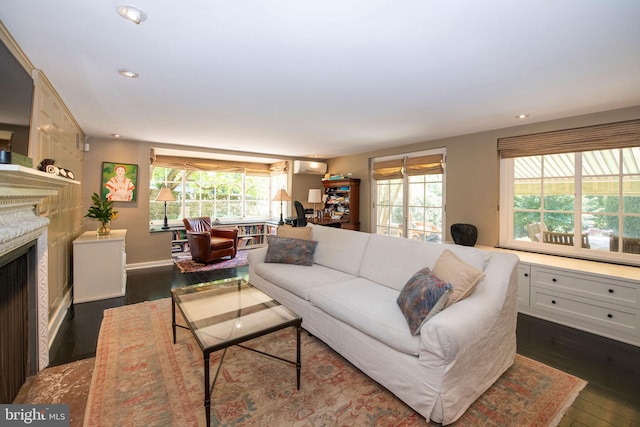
{"x": 142, "y": 378}
{"x": 190, "y": 266}
{"x": 63, "y": 384}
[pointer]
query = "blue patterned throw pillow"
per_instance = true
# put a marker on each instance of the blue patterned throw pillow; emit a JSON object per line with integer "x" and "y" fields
{"x": 285, "y": 250}
{"x": 423, "y": 296}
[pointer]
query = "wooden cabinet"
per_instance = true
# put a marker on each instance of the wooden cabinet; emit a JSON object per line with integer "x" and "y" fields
{"x": 99, "y": 266}
{"x": 343, "y": 201}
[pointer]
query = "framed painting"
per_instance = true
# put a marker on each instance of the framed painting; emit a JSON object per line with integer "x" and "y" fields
{"x": 119, "y": 182}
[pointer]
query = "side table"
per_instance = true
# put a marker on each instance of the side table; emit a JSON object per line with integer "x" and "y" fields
{"x": 99, "y": 266}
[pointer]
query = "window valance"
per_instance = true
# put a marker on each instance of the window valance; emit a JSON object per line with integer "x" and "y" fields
{"x": 589, "y": 138}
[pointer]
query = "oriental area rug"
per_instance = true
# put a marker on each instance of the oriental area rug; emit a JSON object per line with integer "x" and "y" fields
{"x": 188, "y": 265}
{"x": 141, "y": 378}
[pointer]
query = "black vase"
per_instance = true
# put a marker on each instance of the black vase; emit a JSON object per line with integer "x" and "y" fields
{"x": 464, "y": 234}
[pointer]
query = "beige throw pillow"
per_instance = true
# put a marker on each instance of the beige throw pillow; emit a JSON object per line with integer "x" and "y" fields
{"x": 294, "y": 232}
{"x": 459, "y": 274}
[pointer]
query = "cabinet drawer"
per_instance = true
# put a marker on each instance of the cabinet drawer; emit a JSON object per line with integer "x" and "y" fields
{"x": 582, "y": 309}
{"x": 524, "y": 274}
{"x": 587, "y": 286}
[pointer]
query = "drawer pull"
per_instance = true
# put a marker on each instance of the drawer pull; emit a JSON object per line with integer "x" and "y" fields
{"x": 554, "y": 280}
{"x": 610, "y": 291}
{"x": 610, "y": 316}
{"x": 526, "y": 274}
{"x": 553, "y": 301}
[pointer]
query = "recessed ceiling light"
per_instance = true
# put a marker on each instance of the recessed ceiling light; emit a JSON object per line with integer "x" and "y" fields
{"x": 115, "y": 135}
{"x": 129, "y": 73}
{"x": 133, "y": 14}
{"x": 522, "y": 116}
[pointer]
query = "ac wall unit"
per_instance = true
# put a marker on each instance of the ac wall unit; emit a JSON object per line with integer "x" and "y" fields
{"x": 310, "y": 168}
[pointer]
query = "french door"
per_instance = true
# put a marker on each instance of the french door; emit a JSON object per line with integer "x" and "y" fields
{"x": 408, "y": 194}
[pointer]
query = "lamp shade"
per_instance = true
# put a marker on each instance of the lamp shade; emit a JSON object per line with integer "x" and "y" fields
{"x": 315, "y": 195}
{"x": 281, "y": 196}
{"x": 165, "y": 195}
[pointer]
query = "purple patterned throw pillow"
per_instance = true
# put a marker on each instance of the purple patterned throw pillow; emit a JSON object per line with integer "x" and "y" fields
{"x": 423, "y": 296}
{"x": 285, "y": 250}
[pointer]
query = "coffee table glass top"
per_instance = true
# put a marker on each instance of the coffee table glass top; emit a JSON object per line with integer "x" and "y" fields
{"x": 223, "y": 312}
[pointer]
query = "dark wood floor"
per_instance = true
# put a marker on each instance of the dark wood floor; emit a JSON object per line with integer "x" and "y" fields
{"x": 612, "y": 397}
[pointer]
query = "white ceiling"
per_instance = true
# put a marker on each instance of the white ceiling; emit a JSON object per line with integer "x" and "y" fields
{"x": 332, "y": 77}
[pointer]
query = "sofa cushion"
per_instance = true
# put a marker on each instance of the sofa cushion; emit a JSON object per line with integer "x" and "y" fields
{"x": 422, "y": 297}
{"x": 462, "y": 276}
{"x": 286, "y": 250}
{"x": 339, "y": 249}
{"x": 391, "y": 261}
{"x": 294, "y": 232}
{"x": 370, "y": 308}
{"x": 299, "y": 279}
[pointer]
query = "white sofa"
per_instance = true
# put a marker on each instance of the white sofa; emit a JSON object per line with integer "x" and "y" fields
{"x": 347, "y": 298}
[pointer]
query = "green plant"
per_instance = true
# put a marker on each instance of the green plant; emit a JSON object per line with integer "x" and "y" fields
{"x": 102, "y": 209}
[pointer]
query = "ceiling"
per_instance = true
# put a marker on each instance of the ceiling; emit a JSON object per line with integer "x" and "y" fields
{"x": 333, "y": 77}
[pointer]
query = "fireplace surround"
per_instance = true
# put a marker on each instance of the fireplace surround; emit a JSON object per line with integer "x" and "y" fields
{"x": 22, "y": 190}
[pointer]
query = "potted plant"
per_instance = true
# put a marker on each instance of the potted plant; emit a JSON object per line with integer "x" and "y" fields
{"x": 102, "y": 210}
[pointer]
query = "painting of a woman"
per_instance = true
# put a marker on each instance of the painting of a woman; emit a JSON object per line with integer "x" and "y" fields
{"x": 120, "y": 187}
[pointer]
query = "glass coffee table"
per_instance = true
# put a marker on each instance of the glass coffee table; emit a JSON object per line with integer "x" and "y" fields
{"x": 229, "y": 312}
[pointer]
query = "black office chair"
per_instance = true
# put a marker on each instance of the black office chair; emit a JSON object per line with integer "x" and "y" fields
{"x": 301, "y": 220}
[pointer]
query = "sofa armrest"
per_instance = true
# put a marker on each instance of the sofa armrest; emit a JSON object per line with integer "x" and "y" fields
{"x": 482, "y": 319}
{"x": 257, "y": 256}
{"x": 455, "y": 328}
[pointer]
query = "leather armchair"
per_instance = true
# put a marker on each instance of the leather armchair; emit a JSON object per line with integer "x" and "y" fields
{"x": 209, "y": 244}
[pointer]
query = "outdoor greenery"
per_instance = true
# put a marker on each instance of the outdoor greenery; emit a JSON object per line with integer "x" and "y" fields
{"x": 214, "y": 194}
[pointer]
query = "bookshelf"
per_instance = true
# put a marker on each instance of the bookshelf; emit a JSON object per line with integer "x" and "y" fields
{"x": 343, "y": 200}
{"x": 250, "y": 235}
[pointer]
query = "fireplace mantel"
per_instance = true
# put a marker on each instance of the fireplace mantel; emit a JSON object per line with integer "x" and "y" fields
{"x": 20, "y": 181}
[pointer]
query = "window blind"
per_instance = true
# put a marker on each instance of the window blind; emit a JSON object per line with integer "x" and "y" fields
{"x": 387, "y": 169}
{"x": 589, "y": 138}
{"x": 211, "y": 165}
{"x": 424, "y": 165}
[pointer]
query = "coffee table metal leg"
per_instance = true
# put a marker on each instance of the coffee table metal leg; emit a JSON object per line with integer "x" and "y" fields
{"x": 207, "y": 390}
{"x": 173, "y": 319}
{"x": 298, "y": 362}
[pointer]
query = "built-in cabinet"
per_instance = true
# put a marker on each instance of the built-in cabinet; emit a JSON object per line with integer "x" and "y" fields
{"x": 591, "y": 296}
{"x": 99, "y": 269}
{"x": 342, "y": 201}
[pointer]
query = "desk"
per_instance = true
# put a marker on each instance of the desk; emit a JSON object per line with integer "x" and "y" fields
{"x": 329, "y": 222}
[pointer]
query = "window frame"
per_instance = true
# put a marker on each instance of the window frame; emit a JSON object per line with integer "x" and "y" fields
{"x": 507, "y": 238}
{"x": 405, "y": 228}
{"x": 274, "y": 180}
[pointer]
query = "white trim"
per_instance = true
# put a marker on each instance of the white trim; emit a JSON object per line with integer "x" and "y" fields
{"x": 150, "y": 264}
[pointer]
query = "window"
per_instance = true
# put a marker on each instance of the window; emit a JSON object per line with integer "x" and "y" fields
{"x": 239, "y": 193}
{"x": 408, "y": 194}
{"x": 584, "y": 203}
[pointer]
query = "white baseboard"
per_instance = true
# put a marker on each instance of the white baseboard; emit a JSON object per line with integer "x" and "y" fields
{"x": 150, "y": 264}
{"x": 58, "y": 317}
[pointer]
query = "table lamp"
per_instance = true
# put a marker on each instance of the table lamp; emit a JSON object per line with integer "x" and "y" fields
{"x": 165, "y": 196}
{"x": 281, "y": 196}
{"x": 315, "y": 196}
